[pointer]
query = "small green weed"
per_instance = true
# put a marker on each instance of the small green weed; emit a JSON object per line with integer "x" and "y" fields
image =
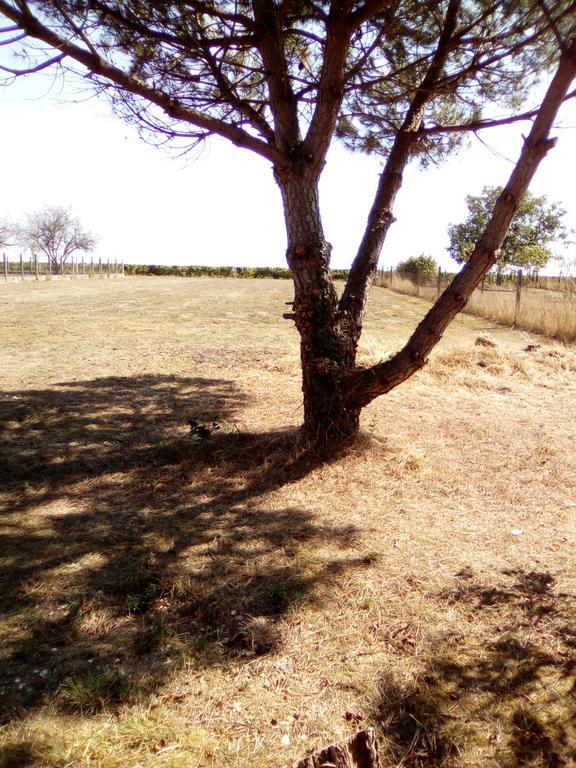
{"x": 153, "y": 636}
{"x": 93, "y": 691}
{"x": 279, "y": 596}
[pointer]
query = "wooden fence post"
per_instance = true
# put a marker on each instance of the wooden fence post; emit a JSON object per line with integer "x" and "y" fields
{"x": 100, "y": 265}
{"x": 122, "y": 267}
{"x": 5, "y": 259}
{"x": 518, "y": 295}
{"x": 108, "y": 266}
{"x": 390, "y": 279}
{"x": 91, "y": 266}
{"x": 439, "y": 282}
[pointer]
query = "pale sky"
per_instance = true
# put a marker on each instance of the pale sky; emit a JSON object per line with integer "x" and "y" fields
{"x": 222, "y": 207}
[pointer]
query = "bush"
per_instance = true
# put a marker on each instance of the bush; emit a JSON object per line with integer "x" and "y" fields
{"x": 274, "y": 273}
{"x": 423, "y": 266}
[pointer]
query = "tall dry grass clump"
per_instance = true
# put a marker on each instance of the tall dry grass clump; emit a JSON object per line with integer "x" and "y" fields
{"x": 548, "y": 312}
{"x": 551, "y": 314}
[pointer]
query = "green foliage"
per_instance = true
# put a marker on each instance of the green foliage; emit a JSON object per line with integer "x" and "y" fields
{"x": 536, "y": 224}
{"x": 422, "y": 265}
{"x": 271, "y": 273}
{"x": 274, "y": 273}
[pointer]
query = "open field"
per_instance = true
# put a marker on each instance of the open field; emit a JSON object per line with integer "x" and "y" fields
{"x": 229, "y": 603}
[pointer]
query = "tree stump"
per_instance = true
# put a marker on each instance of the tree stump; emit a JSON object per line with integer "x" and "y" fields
{"x": 361, "y": 751}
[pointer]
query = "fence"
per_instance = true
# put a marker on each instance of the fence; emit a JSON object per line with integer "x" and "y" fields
{"x": 36, "y": 269}
{"x": 544, "y": 305}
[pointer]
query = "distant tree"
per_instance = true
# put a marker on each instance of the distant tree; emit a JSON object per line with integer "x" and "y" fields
{"x": 7, "y": 234}
{"x": 424, "y": 266}
{"x": 54, "y": 232}
{"x": 400, "y": 79}
{"x": 536, "y": 224}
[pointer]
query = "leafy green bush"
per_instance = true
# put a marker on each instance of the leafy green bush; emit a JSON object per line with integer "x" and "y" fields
{"x": 423, "y": 266}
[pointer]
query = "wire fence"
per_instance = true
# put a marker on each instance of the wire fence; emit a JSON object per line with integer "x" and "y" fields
{"x": 34, "y": 268}
{"x": 541, "y": 304}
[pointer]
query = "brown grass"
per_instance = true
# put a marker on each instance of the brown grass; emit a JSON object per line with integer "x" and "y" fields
{"x": 548, "y": 312}
{"x": 229, "y": 602}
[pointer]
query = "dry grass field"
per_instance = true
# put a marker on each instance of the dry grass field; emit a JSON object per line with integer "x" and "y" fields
{"x": 548, "y": 312}
{"x": 170, "y": 601}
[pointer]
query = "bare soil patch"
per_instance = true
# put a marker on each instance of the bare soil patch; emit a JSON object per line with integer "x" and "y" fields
{"x": 171, "y": 601}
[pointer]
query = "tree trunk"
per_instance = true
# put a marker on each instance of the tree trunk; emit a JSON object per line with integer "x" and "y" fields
{"x": 323, "y": 351}
{"x": 361, "y": 751}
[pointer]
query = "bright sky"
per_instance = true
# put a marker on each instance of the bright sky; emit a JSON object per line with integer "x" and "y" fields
{"x": 223, "y": 207}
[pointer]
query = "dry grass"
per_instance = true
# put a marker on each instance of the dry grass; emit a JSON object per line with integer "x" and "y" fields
{"x": 231, "y": 603}
{"x": 548, "y": 312}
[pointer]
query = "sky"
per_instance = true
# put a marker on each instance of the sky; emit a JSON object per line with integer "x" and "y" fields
{"x": 221, "y": 205}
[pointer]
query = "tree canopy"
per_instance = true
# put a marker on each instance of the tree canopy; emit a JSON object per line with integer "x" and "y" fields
{"x": 401, "y": 79}
{"x": 536, "y": 225}
{"x": 422, "y": 266}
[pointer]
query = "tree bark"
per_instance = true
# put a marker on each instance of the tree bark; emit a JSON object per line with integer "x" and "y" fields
{"x": 328, "y": 420}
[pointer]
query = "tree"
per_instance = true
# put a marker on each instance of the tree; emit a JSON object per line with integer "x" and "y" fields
{"x": 536, "y": 224}
{"x": 6, "y": 234}
{"x": 54, "y": 232}
{"x": 424, "y": 266}
{"x": 282, "y": 79}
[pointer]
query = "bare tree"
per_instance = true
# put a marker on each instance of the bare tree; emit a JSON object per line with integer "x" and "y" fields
{"x": 54, "y": 232}
{"x": 282, "y": 79}
{"x": 7, "y": 234}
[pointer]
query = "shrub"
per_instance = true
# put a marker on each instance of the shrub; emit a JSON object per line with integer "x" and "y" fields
{"x": 424, "y": 266}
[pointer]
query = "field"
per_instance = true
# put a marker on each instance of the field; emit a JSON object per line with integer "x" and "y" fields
{"x": 171, "y": 601}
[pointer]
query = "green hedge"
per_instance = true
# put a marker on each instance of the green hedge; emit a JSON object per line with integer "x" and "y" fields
{"x": 273, "y": 273}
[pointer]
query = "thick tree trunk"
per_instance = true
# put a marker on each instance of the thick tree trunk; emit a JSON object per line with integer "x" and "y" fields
{"x": 327, "y": 418}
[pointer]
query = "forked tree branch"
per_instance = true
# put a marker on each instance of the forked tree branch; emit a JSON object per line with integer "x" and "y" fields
{"x": 365, "y": 385}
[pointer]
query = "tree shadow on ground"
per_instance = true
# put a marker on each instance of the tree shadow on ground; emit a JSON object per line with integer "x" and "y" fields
{"x": 131, "y": 546}
{"x": 503, "y": 694}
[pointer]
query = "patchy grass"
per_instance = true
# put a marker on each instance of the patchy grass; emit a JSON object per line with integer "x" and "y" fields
{"x": 173, "y": 599}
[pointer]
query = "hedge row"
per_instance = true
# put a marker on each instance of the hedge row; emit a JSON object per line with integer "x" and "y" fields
{"x": 274, "y": 273}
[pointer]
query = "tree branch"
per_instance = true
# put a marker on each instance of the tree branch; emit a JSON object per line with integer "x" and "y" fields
{"x": 282, "y": 100}
{"x": 479, "y": 125}
{"x": 330, "y": 86}
{"x": 353, "y": 301}
{"x": 365, "y": 385}
{"x": 170, "y": 105}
